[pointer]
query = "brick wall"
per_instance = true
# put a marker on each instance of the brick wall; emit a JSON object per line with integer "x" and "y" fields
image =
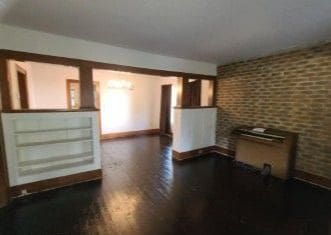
{"x": 290, "y": 91}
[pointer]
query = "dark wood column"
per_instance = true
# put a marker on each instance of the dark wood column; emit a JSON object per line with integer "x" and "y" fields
{"x": 3, "y": 173}
{"x": 5, "y": 103}
{"x": 86, "y": 86}
{"x": 4, "y": 84}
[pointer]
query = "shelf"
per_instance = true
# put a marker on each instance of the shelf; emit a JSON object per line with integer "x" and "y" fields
{"x": 41, "y": 168}
{"x": 52, "y": 130}
{"x": 62, "y": 141}
{"x": 54, "y": 159}
{"x": 41, "y": 146}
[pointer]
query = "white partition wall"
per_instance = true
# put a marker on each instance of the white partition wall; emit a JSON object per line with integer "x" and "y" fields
{"x": 194, "y": 128}
{"x": 42, "y": 146}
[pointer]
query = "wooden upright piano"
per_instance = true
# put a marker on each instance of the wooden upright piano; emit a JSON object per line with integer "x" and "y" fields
{"x": 259, "y": 147}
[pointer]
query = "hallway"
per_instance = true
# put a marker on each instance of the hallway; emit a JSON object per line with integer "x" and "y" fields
{"x": 144, "y": 191}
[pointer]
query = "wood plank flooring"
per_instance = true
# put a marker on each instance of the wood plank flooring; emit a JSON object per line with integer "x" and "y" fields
{"x": 145, "y": 192}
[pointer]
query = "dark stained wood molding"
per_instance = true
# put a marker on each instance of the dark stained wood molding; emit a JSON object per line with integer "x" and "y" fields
{"x": 49, "y": 110}
{"x": 224, "y": 151}
{"x": 34, "y": 57}
{"x": 313, "y": 179}
{"x": 56, "y": 182}
{"x": 180, "y": 156}
{"x": 4, "y": 103}
{"x": 215, "y": 84}
{"x": 86, "y": 86}
{"x": 4, "y": 183}
{"x": 4, "y": 84}
{"x": 165, "y": 109}
{"x": 27, "y": 56}
{"x": 130, "y": 134}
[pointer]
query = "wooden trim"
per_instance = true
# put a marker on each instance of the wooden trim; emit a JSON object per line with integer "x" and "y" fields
{"x": 180, "y": 156}
{"x": 4, "y": 84}
{"x": 27, "y": 56}
{"x": 313, "y": 179}
{"x": 130, "y": 134}
{"x": 224, "y": 151}
{"x": 165, "y": 109}
{"x": 5, "y": 102}
{"x": 21, "y": 70}
{"x": 214, "y": 98}
{"x": 86, "y": 86}
{"x": 56, "y": 182}
{"x": 95, "y": 83}
{"x": 4, "y": 182}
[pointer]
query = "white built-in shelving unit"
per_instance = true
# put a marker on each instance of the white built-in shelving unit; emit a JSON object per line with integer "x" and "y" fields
{"x": 43, "y": 145}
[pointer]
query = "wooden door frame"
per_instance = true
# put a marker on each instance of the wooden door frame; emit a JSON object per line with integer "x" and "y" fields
{"x": 68, "y": 81}
{"x": 19, "y": 69}
{"x": 161, "y": 109}
{"x": 98, "y": 99}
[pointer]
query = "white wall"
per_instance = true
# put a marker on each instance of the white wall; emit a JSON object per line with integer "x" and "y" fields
{"x": 49, "y": 84}
{"x": 205, "y": 92}
{"x": 13, "y": 82}
{"x": 130, "y": 110}
{"x": 194, "y": 129}
{"x": 46, "y": 84}
{"x": 19, "y": 39}
{"x": 121, "y": 110}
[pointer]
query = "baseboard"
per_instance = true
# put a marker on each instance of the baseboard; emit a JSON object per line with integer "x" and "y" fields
{"x": 130, "y": 134}
{"x": 224, "y": 151}
{"x": 313, "y": 179}
{"x": 180, "y": 156}
{"x": 58, "y": 182}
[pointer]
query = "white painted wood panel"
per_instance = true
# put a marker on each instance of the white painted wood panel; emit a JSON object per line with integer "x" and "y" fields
{"x": 194, "y": 129}
{"x": 42, "y": 146}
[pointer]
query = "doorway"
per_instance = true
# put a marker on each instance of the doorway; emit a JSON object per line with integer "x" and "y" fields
{"x": 22, "y": 88}
{"x": 73, "y": 94}
{"x": 191, "y": 92}
{"x": 165, "y": 112}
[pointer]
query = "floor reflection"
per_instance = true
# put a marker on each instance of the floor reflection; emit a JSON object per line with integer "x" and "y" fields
{"x": 144, "y": 192}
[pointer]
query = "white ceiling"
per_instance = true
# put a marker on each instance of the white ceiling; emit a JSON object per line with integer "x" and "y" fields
{"x": 217, "y": 31}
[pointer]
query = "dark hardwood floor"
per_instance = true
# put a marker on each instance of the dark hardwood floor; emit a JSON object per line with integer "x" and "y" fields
{"x": 144, "y": 192}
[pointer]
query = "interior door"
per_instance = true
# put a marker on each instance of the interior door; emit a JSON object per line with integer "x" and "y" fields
{"x": 165, "y": 113}
{"x": 191, "y": 92}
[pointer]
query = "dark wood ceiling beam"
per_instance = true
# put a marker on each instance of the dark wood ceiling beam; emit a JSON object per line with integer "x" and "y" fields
{"x": 27, "y": 56}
